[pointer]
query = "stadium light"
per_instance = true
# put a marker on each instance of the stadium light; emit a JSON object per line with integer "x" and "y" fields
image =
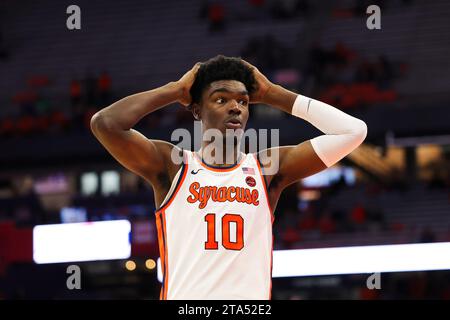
{"x": 86, "y": 241}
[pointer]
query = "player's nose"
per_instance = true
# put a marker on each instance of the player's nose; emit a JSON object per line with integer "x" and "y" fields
{"x": 234, "y": 107}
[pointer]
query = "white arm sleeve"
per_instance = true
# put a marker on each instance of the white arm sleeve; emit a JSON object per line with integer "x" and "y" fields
{"x": 343, "y": 133}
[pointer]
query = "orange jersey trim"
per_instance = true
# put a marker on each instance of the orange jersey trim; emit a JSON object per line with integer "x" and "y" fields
{"x": 166, "y": 274}
{"x": 271, "y": 269}
{"x": 160, "y": 225}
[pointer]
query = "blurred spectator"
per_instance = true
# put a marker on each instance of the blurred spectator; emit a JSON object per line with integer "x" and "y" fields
{"x": 290, "y": 236}
{"x": 342, "y": 54}
{"x": 399, "y": 227}
{"x": 358, "y": 215}
{"x": 216, "y": 17}
{"x": 38, "y": 81}
{"x": 7, "y": 126}
{"x": 326, "y": 223}
{"x": 75, "y": 92}
{"x": 338, "y": 185}
{"x": 25, "y": 125}
{"x": 42, "y": 123}
{"x": 59, "y": 120}
{"x": 308, "y": 221}
{"x": 26, "y": 101}
{"x": 104, "y": 89}
{"x": 347, "y": 81}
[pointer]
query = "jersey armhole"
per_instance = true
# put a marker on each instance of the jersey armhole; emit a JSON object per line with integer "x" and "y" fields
{"x": 262, "y": 170}
{"x": 176, "y": 183}
{"x": 263, "y": 178}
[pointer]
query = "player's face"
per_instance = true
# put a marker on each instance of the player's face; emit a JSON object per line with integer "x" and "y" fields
{"x": 225, "y": 105}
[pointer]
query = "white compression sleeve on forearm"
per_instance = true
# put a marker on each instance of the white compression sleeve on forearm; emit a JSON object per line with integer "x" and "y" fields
{"x": 343, "y": 133}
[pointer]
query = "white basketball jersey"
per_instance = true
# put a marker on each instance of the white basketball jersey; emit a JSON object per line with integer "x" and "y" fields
{"x": 215, "y": 232}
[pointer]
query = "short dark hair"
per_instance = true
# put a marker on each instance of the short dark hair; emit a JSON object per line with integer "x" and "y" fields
{"x": 221, "y": 68}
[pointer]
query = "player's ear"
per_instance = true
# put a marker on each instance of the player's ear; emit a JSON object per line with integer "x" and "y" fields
{"x": 195, "y": 108}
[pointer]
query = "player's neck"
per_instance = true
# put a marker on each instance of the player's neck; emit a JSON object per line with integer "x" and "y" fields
{"x": 209, "y": 156}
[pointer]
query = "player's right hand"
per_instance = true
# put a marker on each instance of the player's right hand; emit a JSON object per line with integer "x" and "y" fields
{"x": 185, "y": 84}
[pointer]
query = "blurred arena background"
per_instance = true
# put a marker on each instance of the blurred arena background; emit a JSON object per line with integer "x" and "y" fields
{"x": 394, "y": 189}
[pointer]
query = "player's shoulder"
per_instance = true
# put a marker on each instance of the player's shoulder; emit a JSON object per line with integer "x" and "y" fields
{"x": 170, "y": 153}
{"x": 166, "y": 148}
{"x": 265, "y": 156}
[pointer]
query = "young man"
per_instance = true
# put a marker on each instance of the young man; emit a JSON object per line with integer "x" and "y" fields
{"x": 214, "y": 216}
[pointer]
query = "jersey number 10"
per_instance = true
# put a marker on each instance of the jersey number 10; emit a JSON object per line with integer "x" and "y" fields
{"x": 227, "y": 219}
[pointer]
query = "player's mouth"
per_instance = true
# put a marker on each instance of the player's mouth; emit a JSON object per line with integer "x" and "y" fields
{"x": 233, "y": 123}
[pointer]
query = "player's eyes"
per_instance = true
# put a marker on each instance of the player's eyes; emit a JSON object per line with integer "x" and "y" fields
{"x": 222, "y": 100}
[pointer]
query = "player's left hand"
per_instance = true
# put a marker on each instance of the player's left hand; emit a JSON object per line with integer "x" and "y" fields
{"x": 263, "y": 85}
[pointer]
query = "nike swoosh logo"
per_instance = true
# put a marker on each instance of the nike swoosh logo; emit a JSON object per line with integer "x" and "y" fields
{"x": 196, "y": 171}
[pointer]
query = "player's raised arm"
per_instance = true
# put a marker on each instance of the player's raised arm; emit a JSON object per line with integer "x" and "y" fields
{"x": 112, "y": 126}
{"x": 343, "y": 132}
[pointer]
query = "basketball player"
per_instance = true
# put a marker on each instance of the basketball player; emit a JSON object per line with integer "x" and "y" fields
{"x": 214, "y": 217}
